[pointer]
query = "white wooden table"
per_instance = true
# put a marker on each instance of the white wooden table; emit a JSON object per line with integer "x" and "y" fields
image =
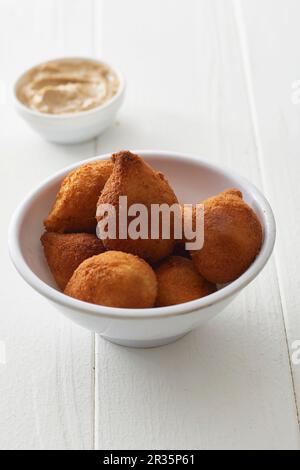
{"x": 210, "y": 77}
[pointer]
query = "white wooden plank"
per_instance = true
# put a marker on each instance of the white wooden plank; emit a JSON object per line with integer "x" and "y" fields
{"x": 46, "y": 385}
{"x": 227, "y": 385}
{"x": 271, "y": 38}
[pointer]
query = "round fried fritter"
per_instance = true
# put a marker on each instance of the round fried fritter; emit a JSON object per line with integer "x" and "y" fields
{"x": 179, "y": 281}
{"x": 65, "y": 251}
{"x": 232, "y": 238}
{"x": 114, "y": 279}
{"x": 74, "y": 209}
{"x": 134, "y": 178}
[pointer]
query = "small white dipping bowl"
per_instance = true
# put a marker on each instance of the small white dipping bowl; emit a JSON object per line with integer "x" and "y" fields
{"x": 73, "y": 127}
{"x": 193, "y": 180}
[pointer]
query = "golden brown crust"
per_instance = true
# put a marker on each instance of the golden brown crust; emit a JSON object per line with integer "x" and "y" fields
{"x": 65, "y": 251}
{"x": 134, "y": 178}
{"x": 114, "y": 279}
{"x": 179, "y": 282}
{"x": 232, "y": 192}
{"x": 74, "y": 208}
{"x": 232, "y": 238}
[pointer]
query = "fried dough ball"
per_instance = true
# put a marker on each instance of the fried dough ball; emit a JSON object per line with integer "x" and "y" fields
{"x": 74, "y": 208}
{"x": 179, "y": 282}
{"x": 232, "y": 238}
{"x": 65, "y": 251}
{"x": 114, "y": 279}
{"x": 134, "y": 178}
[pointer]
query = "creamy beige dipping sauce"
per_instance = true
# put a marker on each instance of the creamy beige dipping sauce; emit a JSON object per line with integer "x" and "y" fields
{"x": 67, "y": 86}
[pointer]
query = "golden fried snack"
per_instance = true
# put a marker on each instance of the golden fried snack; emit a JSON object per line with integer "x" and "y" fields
{"x": 232, "y": 238}
{"x": 114, "y": 279}
{"x": 179, "y": 282}
{"x": 74, "y": 208}
{"x": 65, "y": 251}
{"x": 134, "y": 178}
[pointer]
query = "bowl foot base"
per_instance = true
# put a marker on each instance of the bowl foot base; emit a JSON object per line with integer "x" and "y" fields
{"x": 151, "y": 343}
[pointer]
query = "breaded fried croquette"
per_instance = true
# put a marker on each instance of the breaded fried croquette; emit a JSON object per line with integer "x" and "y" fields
{"x": 134, "y": 178}
{"x": 114, "y": 279}
{"x": 178, "y": 281}
{"x": 65, "y": 251}
{"x": 232, "y": 238}
{"x": 74, "y": 208}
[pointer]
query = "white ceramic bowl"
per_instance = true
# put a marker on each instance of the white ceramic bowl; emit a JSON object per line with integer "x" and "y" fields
{"x": 75, "y": 127}
{"x": 193, "y": 180}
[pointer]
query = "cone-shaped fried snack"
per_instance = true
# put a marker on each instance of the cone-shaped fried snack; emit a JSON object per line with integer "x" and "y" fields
{"x": 179, "y": 282}
{"x": 65, "y": 251}
{"x": 114, "y": 279}
{"x": 134, "y": 178}
{"x": 75, "y": 204}
{"x": 232, "y": 238}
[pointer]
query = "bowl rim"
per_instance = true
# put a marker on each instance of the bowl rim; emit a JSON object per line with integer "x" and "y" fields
{"x": 77, "y": 115}
{"x": 269, "y": 228}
